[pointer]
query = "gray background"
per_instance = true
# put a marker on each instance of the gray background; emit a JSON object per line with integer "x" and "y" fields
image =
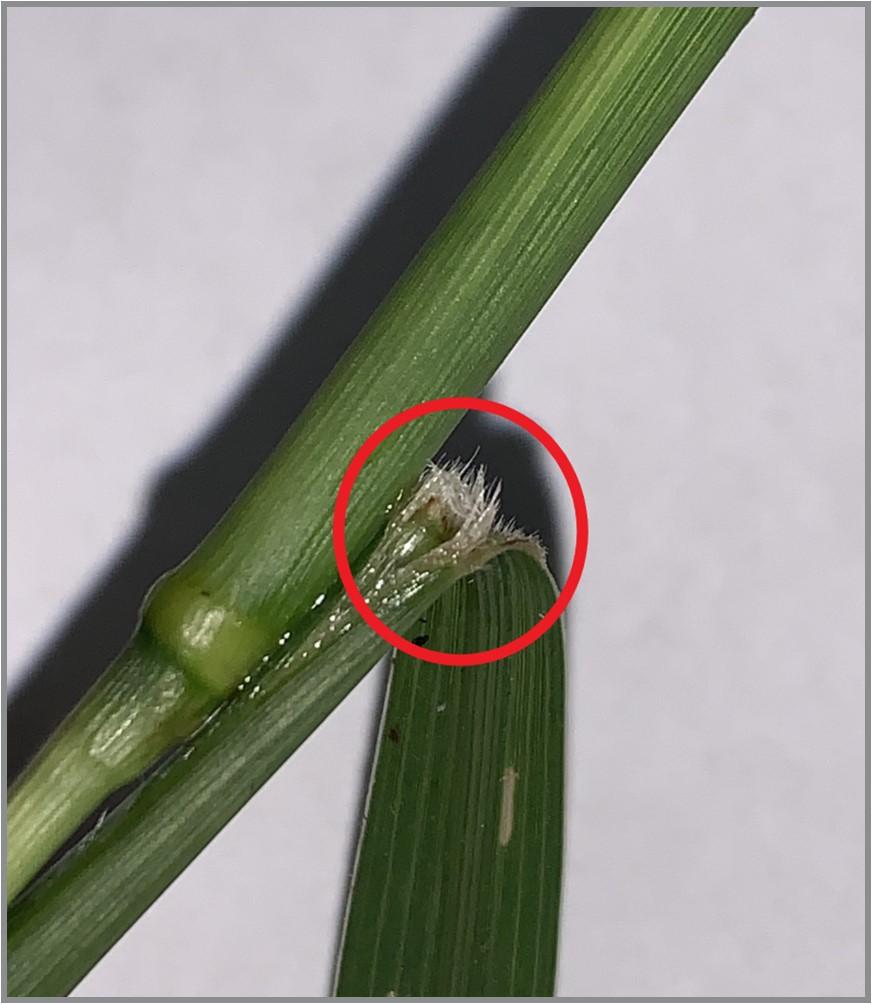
{"x": 182, "y": 182}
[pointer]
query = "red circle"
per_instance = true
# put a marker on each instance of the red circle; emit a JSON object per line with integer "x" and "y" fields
{"x": 344, "y": 494}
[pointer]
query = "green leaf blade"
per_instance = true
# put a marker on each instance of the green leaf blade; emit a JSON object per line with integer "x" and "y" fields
{"x": 457, "y": 885}
{"x": 443, "y": 330}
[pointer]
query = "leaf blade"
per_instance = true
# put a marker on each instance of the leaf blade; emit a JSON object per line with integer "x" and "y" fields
{"x": 457, "y": 884}
{"x": 443, "y": 330}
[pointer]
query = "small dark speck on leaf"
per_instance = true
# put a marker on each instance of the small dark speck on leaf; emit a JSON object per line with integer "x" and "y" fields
{"x": 205, "y": 592}
{"x": 421, "y": 639}
{"x": 394, "y": 734}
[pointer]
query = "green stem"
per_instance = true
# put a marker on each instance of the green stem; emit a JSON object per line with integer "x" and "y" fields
{"x": 133, "y": 715}
{"x": 443, "y": 330}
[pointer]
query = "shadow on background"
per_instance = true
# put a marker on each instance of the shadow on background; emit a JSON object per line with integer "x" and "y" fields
{"x": 191, "y": 495}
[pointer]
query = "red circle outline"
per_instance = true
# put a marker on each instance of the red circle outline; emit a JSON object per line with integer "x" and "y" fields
{"x": 341, "y": 509}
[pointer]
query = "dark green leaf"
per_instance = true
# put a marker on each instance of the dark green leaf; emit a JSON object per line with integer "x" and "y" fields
{"x": 457, "y": 885}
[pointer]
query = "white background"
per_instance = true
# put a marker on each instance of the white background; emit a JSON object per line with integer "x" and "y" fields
{"x": 179, "y": 182}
